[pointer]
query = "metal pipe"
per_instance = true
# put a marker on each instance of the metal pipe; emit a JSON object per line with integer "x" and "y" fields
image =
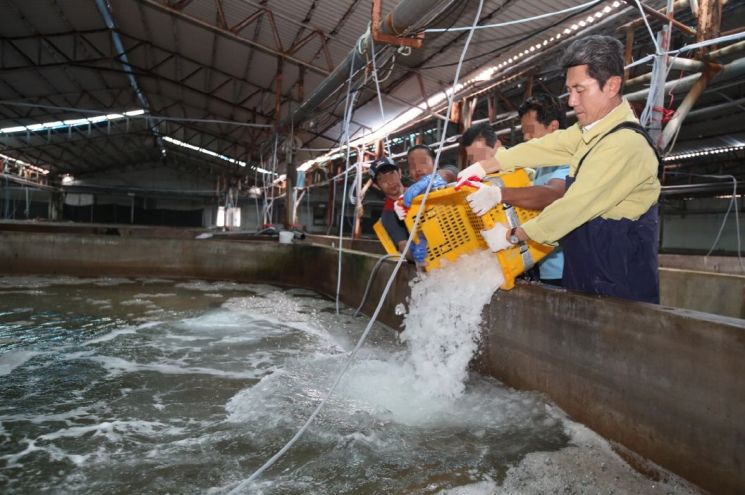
{"x": 664, "y": 17}
{"x": 691, "y": 65}
{"x": 103, "y": 9}
{"x": 728, "y": 50}
{"x": 407, "y": 15}
{"x": 714, "y": 109}
{"x": 673, "y": 126}
{"x": 733, "y": 69}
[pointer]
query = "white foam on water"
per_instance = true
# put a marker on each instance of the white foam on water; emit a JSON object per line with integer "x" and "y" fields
{"x": 113, "y": 431}
{"x": 486, "y": 487}
{"x": 442, "y": 326}
{"x": 121, "y": 331}
{"x": 154, "y": 295}
{"x": 13, "y": 359}
{"x": 282, "y": 310}
{"x": 117, "y": 366}
{"x": 99, "y": 302}
{"x": 38, "y": 282}
{"x": 137, "y": 302}
{"x": 26, "y": 292}
{"x": 200, "y": 285}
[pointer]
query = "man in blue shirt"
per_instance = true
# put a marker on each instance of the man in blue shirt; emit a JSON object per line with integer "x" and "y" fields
{"x": 539, "y": 115}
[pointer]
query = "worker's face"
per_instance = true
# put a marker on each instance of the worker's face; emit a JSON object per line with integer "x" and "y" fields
{"x": 533, "y": 129}
{"x": 390, "y": 183}
{"x": 587, "y": 98}
{"x": 420, "y": 164}
{"x": 478, "y": 150}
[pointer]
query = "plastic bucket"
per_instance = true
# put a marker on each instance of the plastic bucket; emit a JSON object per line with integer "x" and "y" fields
{"x": 285, "y": 237}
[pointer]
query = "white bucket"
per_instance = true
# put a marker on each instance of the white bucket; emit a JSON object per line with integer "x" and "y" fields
{"x": 285, "y": 237}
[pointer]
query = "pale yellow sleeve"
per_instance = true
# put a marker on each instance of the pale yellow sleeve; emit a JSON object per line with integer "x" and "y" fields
{"x": 552, "y": 149}
{"x": 605, "y": 179}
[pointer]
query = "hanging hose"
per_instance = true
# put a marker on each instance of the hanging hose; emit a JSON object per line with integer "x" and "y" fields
{"x": 373, "y": 272}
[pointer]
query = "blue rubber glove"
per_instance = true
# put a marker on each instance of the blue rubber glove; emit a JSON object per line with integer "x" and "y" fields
{"x": 419, "y": 250}
{"x": 420, "y": 186}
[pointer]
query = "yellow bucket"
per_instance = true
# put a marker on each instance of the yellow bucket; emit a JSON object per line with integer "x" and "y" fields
{"x": 452, "y": 229}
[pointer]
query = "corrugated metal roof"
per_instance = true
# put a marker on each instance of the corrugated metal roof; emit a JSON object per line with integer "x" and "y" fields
{"x": 189, "y": 63}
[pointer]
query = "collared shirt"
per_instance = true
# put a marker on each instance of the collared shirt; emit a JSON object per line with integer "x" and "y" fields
{"x": 552, "y": 266}
{"x": 618, "y": 178}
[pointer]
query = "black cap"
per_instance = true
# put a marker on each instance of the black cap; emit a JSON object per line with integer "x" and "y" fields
{"x": 380, "y": 166}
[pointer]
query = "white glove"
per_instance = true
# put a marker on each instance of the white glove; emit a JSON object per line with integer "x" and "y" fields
{"x": 399, "y": 208}
{"x": 474, "y": 170}
{"x": 496, "y": 238}
{"x": 483, "y": 200}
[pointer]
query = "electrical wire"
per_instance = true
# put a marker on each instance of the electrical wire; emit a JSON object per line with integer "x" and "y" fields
{"x": 377, "y": 88}
{"x": 732, "y": 203}
{"x": 348, "y": 111}
{"x": 657, "y": 52}
{"x": 375, "y": 314}
{"x": 507, "y": 46}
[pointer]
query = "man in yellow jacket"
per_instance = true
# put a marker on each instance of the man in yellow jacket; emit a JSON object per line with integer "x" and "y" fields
{"x": 607, "y": 220}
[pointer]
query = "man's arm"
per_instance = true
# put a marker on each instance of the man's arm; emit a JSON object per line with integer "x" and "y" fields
{"x": 553, "y": 149}
{"x": 606, "y": 179}
{"x": 534, "y": 197}
{"x": 396, "y": 231}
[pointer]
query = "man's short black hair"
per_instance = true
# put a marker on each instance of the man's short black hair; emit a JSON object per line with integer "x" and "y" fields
{"x": 422, "y": 147}
{"x": 603, "y": 56}
{"x": 547, "y": 109}
{"x": 483, "y": 131}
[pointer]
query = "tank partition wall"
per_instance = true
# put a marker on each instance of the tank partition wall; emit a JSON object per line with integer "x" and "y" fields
{"x": 668, "y": 384}
{"x": 298, "y": 265}
{"x": 691, "y": 225}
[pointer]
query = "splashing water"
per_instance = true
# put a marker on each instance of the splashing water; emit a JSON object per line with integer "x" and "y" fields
{"x": 146, "y": 386}
{"x": 443, "y": 322}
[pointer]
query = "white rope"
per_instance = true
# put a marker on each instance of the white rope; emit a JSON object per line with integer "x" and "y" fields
{"x": 348, "y": 110}
{"x": 377, "y": 88}
{"x": 517, "y": 21}
{"x": 375, "y": 314}
{"x": 657, "y": 50}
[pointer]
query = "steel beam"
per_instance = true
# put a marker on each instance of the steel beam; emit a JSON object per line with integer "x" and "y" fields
{"x": 227, "y": 33}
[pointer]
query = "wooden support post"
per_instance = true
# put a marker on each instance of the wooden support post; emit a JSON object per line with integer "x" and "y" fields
{"x": 379, "y": 149}
{"x": 456, "y": 112}
{"x": 469, "y": 106}
{"x": 628, "y": 53}
{"x": 709, "y": 23}
{"x": 301, "y": 85}
{"x": 278, "y": 93}
{"x": 491, "y": 108}
{"x": 528, "y": 87}
{"x": 505, "y": 100}
{"x": 358, "y": 210}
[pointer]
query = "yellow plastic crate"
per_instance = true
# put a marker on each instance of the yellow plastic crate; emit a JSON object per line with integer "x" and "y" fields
{"x": 384, "y": 238}
{"x": 452, "y": 229}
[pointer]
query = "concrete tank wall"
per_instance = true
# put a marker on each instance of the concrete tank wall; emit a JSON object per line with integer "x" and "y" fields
{"x": 666, "y": 383}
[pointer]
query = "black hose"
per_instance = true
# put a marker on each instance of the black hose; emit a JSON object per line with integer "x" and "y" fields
{"x": 373, "y": 272}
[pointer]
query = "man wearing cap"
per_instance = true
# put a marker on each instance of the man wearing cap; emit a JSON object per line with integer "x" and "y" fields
{"x": 387, "y": 177}
{"x": 606, "y": 222}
